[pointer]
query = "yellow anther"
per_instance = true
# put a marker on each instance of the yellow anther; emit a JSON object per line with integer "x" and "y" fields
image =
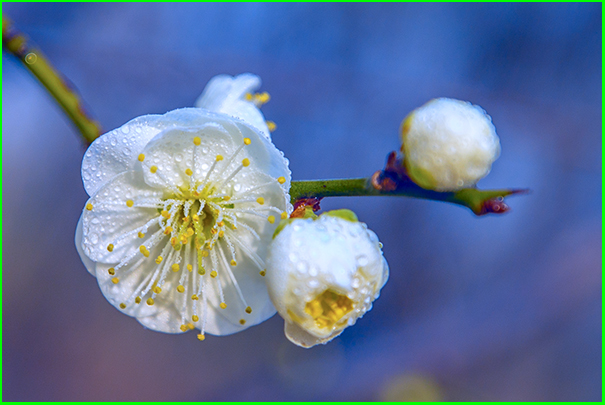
{"x": 141, "y": 235}
{"x": 223, "y": 305}
{"x": 141, "y": 157}
{"x": 263, "y": 272}
{"x": 248, "y": 96}
{"x": 110, "y": 247}
{"x": 248, "y": 310}
{"x": 242, "y": 321}
{"x": 157, "y": 290}
{"x": 213, "y": 231}
{"x": 184, "y": 239}
{"x": 165, "y": 214}
{"x": 168, "y": 230}
{"x": 197, "y": 140}
{"x": 184, "y": 328}
{"x": 247, "y": 141}
{"x": 185, "y": 219}
{"x": 177, "y": 247}
{"x": 260, "y": 200}
{"x": 213, "y": 274}
{"x": 129, "y": 203}
{"x": 204, "y": 253}
{"x": 173, "y": 241}
{"x": 263, "y": 97}
{"x": 195, "y": 318}
{"x": 190, "y": 231}
{"x": 191, "y": 326}
{"x": 115, "y": 280}
{"x": 190, "y": 268}
{"x": 111, "y": 271}
{"x": 221, "y": 234}
{"x": 201, "y": 336}
{"x": 188, "y": 172}
{"x": 122, "y": 305}
{"x": 153, "y": 169}
{"x": 175, "y": 267}
{"x": 219, "y": 158}
{"x": 226, "y": 198}
{"x": 89, "y": 207}
{"x": 142, "y": 249}
{"x": 233, "y": 263}
{"x": 180, "y": 289}
{"x": 195, "y": 217}
{"x": 284, "y": 215}
{"x": 195, "y": 193}
{"x": 246, "y": 162}
{"x": 201, "y": 271}
{"x": 271, "y": 125}
{"x": 137, "y": 300}
{"x": 220, "y": 223}
{"x": 159, "y": 259}
{"x": 281, "y": 180}
{"x": 271, "y": 219}
{"x": 194, "y": 297}
{"x": 150, "y": 301}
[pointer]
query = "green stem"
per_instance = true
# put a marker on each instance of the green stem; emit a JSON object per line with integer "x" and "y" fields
{"x": 475, "y": 199}
{"x": 65, "y": 95}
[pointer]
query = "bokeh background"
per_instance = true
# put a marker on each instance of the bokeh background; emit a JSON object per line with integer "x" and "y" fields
{"x": 493, "y": 308}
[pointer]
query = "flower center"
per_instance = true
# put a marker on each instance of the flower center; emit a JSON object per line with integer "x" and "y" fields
{"x": 328, "y": 308}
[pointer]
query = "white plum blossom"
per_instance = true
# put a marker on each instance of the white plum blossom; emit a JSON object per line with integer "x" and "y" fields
{"x": 235, "y": 96}
{"x": 182, "y": 207}
{"x": 448, "y": 144}
{"x": 323, "y": 274}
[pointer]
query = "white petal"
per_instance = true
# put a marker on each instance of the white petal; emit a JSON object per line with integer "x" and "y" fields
{"x": 90, "y": 265}
{"x": 226, "y": 94}
{"x": 302, "y": 338}
{"x": 110, "y": 218}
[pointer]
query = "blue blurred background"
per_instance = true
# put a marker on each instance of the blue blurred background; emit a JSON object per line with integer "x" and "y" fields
{"x": 494, "y": 308}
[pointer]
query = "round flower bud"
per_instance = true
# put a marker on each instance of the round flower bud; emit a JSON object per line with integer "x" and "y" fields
{"x": 448, "y": 144}
{"x": 323, "y": 274}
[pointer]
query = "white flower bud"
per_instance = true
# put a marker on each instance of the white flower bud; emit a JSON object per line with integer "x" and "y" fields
{"x": 448, "y": 144}
{"x": 323, "y": 274}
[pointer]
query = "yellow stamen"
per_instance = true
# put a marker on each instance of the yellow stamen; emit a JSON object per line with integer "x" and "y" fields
{"x": 157, "y": 290}
{"x": 194, "y": 297}
{"x": 248, "y": 310}
{"x": 219, "y": 158}
{"x": 111, "y": 271}
{"x": 242, "y": 321}
{"x": 110, "y": 247}
{"x": 191, "y": 326}
{"x": 168, "y": 230}
{"x": 141, "y": 157}
{"x": 247, "y": 141}
{"x": 137, "y": 300}
{"x": 246, "y": 162}
{"x": 184, "y": 239}
{"x": 248, "y": 96}
{"x": 195, "y": 217}
{"x": 184, "y": 328}
{"x": 188, "y": 172}
{"x": 201, "y": 337}
{"x": 213, "y": 274}
{"x": 115, "y": 280}
{"x": 204, "y": 253}
{"x": 233, "y": 263}
{"x": 175, "y": 267}
{"x": 141, "y": 235}
{"x": 195, "y": 318}
{"x": 190, "y": 231}
{"x": 226, "y": 198}
{"x": 153, "y": 169}
{"x": 223, "y": 305}
{"x": 281, "y": 180}
{"x": 263, "y": 97}
{"x": 150, "y": 301}
{"x": 263, "y": 272}
{"x": 260, "y": 200}
{"x": 129, "y": 203}
{"x": 221, "y": 234}
{"x": 197, "y": 141}
{"x": 220, "y": 223}
{"x": 173, "y": 241}
{"x": 190, "y": 268}
{"x": 122, "y": 305}
{"x": 284, "y": 215}
{"x": 89, "y": 207}
{"x": 159, "y": 259}
{"x": 271, "y": 219}
{"x": 180, "y": 289}
{"x": 165, "y": 214}
{"x": 271, "y": 125}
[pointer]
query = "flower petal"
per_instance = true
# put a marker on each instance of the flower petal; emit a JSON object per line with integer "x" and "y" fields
{"x": 226, "y": 94}
{"x": 302, "y": 338}
{"x": 111, "y": 221}
{"x": 90, "y": 265}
